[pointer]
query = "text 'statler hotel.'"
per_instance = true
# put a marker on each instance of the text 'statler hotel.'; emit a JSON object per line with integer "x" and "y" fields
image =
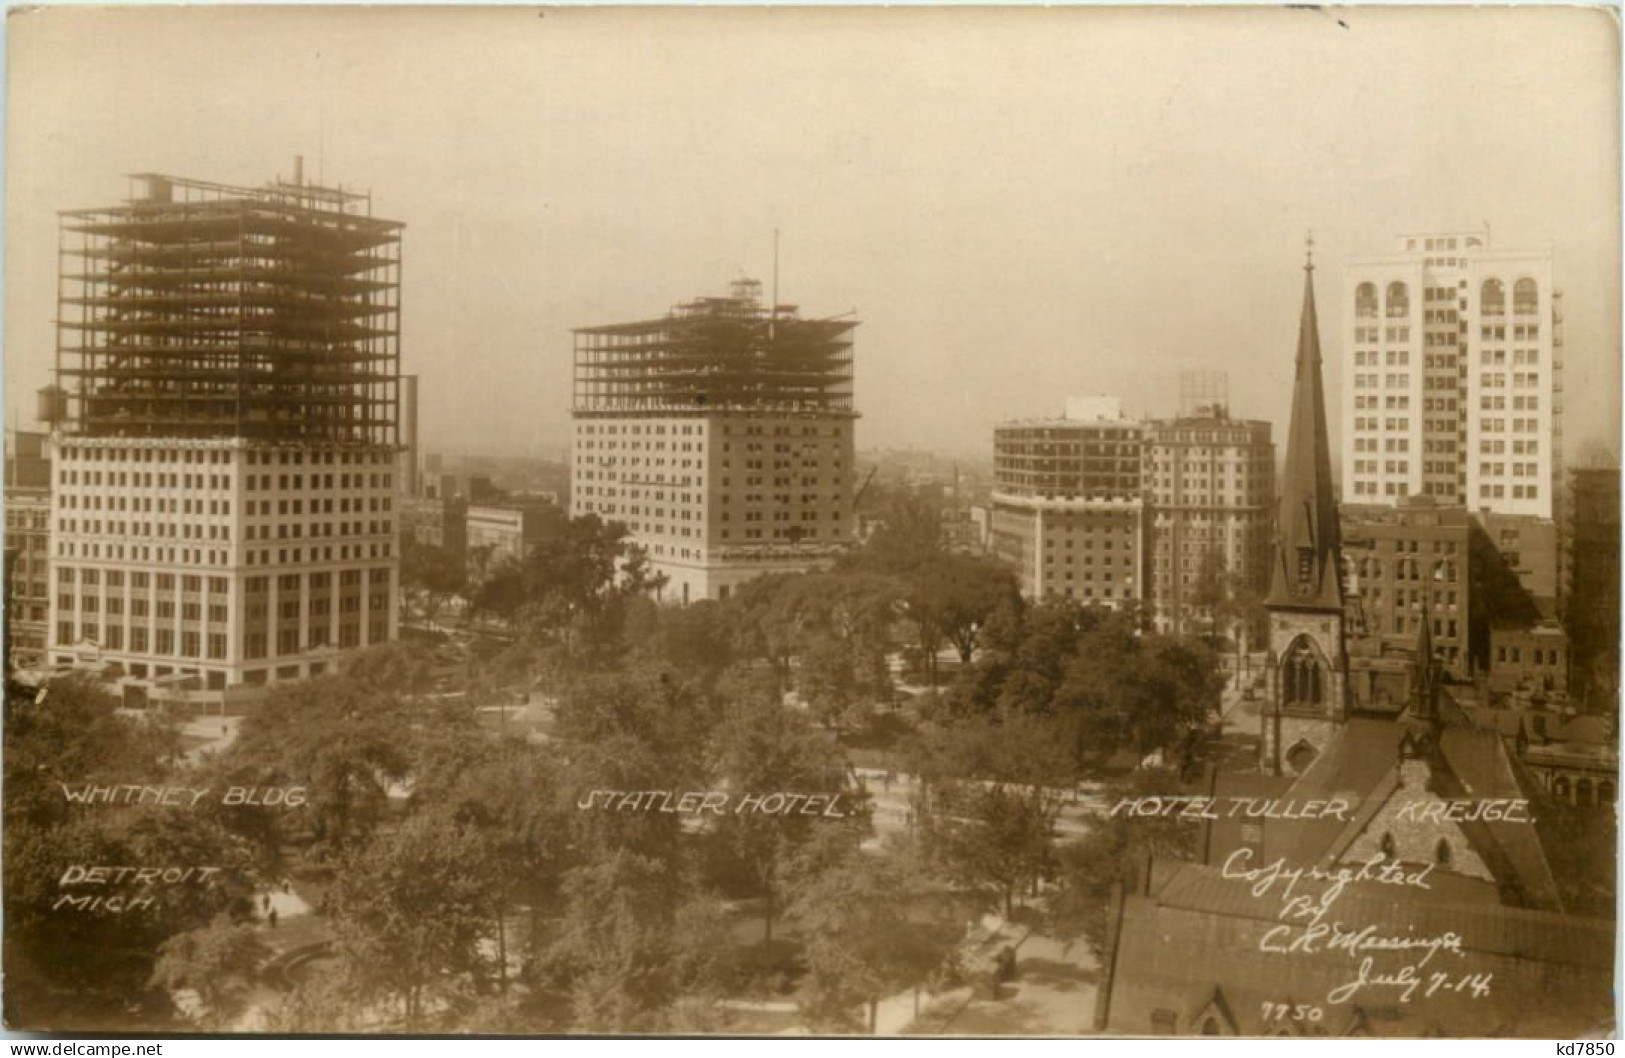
{"x": 721, "y": 434}
{"x": 226, "y": 430}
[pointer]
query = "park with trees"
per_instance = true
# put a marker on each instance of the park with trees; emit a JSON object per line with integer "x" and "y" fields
{"x": 462, "y": 875}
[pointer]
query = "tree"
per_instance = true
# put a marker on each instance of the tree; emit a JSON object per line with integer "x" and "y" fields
{"x": 410, "y": 909}
{"x": 432, "y": 571}
{"x": 762, "y": 747}
{"x": 840, "y": 626}
{"x": 1115, "y": 852}
{"x": 909, "y": 534}
{"x": 1156, "y": 693}
{"x": 68, "y": 963}
{"x": 860, "y": 941}
{"x": 696, "y": 641}
{"x": 220, "y": 962}
{"x": 990, "y": 793}
{"x": 951, "y": 598}
{"x": 616, "y": 955}
{"x": 511, "y": 794}
{"x": 573, "y": 588}
{"x": 344, "y": 737}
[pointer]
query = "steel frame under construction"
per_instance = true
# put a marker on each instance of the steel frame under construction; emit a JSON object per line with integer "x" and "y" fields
{"x": 716, "y": 354}
{"x": 202, "y": 310}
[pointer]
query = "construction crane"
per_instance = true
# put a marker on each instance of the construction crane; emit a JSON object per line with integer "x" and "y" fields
{"x": 858, "y": 496}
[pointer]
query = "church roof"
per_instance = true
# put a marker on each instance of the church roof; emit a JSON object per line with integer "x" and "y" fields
{"x": 1171, "y": 948}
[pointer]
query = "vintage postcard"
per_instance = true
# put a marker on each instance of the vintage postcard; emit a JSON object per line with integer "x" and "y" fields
{"x": 794, "y": 521}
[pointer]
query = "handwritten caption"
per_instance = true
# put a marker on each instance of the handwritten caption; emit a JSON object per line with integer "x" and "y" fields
{"x": 183, "y": 796}
{"x": 146, "y": 877}
{"x": 1179, "y": 806}
{"x": 714, "y": 802}
{"x": 1308, "y": 896}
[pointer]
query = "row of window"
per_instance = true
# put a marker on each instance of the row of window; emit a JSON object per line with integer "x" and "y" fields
{"x": 1519, "y": 492}
{"x": 1492, "y": 296}
{"x": 218, "y": 457}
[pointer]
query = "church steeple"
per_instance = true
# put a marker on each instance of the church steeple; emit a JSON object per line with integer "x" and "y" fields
{"x": 1308, "y": 542}
{"x": 1424, "y": 671}
{"x": 1308, "y": 695}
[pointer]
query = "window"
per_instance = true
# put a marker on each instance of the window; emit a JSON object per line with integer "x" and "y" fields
{"x": 1525, "y": 297}
{"x": 1399, "y": 300}
{"x": 1301, "y": 676}
{"x": 1365, "y": 300}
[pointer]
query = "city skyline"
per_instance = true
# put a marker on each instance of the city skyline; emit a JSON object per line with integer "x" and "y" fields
{"x": 1011, "y": 232}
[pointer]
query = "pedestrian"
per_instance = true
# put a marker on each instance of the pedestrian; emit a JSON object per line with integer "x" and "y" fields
{"x": 272, "y": 917}
{"x": 225, "y": 729}
{"x": 287, "y": 886}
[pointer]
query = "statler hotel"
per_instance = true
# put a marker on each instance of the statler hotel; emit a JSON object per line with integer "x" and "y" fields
{"x": 1455, "y": 375}
{"x": 226, "y": 432}
{"x": 721, "y": 435}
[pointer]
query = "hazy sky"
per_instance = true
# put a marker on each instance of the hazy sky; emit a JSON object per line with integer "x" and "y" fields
{"x": 1020, "y": 204}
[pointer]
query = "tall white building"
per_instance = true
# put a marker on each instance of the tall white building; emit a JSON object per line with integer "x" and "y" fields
{"x": 1453, "y": 375}
{"x": 721, "y": 435}
{"x": 223, "y": 497}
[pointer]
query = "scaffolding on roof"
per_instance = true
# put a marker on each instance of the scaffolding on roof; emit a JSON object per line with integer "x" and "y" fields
{"x": 717, "y": 354}
{"x": 203, "y": 310}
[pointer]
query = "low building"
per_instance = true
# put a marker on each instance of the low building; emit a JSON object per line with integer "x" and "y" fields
{"x": 1404, "y": 564}
{"x": 1529, "y": 663}
{"x": 438, "y": 523}
{"x": 1591, "y": 605}
{"x": 1529, "y": 547}
{"x": 498, "y": 534}
{"x": 1575, "y": 759}
{"x": 27, "y": 576}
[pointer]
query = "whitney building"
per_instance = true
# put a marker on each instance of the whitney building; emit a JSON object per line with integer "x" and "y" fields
{"x": 226, "y": 430}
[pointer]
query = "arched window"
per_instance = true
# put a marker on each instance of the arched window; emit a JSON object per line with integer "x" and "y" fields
{"x": 1560, "y": 787}
{"x": 1365, "y": 300}
{"x": 1386, "y": 845}
{"x": 1492, "y": 298}
{"x": 1582, "y": 793}
{"x": 1301, "y": 679}
{"x": 1605, "y": 792}
{"x": 1441, "y": 852}
{"x": 1525, "y": 297}
{"x": 1399, "y": 300}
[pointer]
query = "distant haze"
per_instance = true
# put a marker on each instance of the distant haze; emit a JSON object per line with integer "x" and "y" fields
{"x": 1020, "y": 204}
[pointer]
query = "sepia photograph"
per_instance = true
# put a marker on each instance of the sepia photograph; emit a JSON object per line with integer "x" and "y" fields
{"x": 792, "y": 521}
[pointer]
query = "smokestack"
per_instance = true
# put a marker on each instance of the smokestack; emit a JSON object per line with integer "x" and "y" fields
{"x": 299, "y": 169}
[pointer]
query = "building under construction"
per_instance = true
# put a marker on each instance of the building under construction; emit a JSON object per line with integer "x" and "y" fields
{"x": 718, "y": 353}
{"x": 196, "y": 309}
{"x": 721, "y": 434}
{"x": 226, "y": 424}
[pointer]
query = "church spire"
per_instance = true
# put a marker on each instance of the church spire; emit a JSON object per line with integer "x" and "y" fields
{"x": 1424, "y": 674}
{"x": 1308, "y": 543}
